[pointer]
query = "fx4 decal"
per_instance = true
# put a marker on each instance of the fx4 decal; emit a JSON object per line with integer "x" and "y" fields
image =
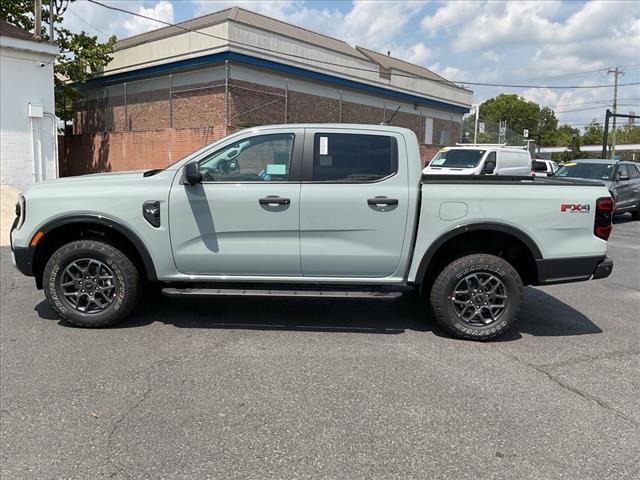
{"x": 575, "y": 208}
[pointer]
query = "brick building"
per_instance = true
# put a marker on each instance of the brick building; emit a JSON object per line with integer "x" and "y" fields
{"x": 169, "y": 91}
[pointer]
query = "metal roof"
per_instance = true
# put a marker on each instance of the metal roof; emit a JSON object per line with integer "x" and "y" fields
{"x": 388, "y": 62}
{"x": 246, "y": 17}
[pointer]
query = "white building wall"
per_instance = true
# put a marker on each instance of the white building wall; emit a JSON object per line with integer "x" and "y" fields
{"x": 27, "y": 144}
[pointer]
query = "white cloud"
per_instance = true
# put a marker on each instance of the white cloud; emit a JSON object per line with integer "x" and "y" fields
{"x": 451, "y": 14}
{"x": 376, "y": 24}
{"x": 163, "y": 10}
{"x": 417, "y": 53}
{"x": 97, "y": 20}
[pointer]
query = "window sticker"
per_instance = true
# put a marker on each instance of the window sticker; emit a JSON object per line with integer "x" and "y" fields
{"x": 324, "y": 145}
{"x": 438, "y": 161}
{"x": 276, "y": 169}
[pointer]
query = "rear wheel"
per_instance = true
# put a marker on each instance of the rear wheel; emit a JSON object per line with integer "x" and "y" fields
{"x": 636, "y": 215}
{"x": 477, "y": 297}
{"x": 91, "y": 283}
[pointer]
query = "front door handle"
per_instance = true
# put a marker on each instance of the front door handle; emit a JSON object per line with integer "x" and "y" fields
{"x": 274, "y": 200}
{"x": 382, "y": 201}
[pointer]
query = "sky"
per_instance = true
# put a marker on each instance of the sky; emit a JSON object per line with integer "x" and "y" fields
{"x": 538, "y": 44}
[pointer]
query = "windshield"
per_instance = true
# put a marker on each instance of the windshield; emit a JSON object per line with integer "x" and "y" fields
{"x": 457, "y": 158}
{"x": 599, "y": 171}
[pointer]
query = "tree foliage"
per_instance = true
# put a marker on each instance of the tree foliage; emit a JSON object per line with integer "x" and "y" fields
{"x": 80, "y": 54}
{"x": 521, "y": 114}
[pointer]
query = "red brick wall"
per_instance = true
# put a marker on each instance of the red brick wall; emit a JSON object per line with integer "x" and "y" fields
{"x": 106, "y": 152}
{"x": 156, "y": 133}
{"x": 427, "y": 152}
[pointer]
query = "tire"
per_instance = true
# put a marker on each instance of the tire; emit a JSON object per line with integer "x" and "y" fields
{"x": 636, "y": 215}
{"x": 464, "y": 274}
{"x": 107, "y": 290}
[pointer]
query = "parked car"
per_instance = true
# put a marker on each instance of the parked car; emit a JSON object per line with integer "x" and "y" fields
{"x": 622, "y": 178}
{"x": 316, "y": 209}
{"x": 544, "y": 168}
{"x": 480, "y": 160}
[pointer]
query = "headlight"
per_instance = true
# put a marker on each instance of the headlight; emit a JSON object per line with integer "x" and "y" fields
{"x": 21, "y": 210}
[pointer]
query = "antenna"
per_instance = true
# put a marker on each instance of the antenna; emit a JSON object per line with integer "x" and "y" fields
{"x": 388, "y": 122}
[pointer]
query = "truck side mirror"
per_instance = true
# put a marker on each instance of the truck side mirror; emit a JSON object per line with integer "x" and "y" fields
{"x": 489, "y": 168}
{"x": 192, "y": 173}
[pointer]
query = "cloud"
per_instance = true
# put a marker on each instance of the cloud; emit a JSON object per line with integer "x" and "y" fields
{"x": 97, "y": 20}
{"x": 417, "y": 53}
{"x": 450, "y": 15}
{"x": 163, "y": 10}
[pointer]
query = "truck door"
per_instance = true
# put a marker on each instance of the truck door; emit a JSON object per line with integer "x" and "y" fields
{"x": 243, "y": 219}
{"x": 354, "y": 203}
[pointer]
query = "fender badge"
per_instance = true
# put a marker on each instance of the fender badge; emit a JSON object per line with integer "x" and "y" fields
{"x": 575, "y": 208}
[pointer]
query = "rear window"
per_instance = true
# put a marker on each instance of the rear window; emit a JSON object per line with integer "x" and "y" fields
{"x": 348, "y": 157}
{"x": 597, "y": 171}
{"x": 457, "y": 158}
{"x": 539, "y": 166}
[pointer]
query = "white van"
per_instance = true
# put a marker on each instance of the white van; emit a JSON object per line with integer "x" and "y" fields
{"x": 480, "y": 160}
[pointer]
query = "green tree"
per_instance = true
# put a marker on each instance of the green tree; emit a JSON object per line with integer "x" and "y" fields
{"x": 518, "y": 112}
{"x": 593, "y": 134}
{"x": 547, "y": 127}
{"x": 80, "y": 54}
{"x": 628, "y": 134}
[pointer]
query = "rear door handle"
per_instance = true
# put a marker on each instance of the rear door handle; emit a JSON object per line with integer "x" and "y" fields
{"x": 382, "y": 201}
{"x": 274, "y": 200}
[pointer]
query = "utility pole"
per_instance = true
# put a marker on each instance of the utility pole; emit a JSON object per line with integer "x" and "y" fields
{"x": 475, "y": 127}
{"x": 52, "y": 10}
{"x": 616, "y": 72}
{"x": 37, "y": 15}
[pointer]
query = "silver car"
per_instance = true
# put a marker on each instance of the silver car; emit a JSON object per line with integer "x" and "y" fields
{"x": 622, "y": 178}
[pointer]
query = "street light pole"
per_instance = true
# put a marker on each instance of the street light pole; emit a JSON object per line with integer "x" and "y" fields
{"x": 475, "y": 129}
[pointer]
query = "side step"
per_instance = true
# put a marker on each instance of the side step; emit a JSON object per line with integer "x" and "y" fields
{"x": 215, "y": 292}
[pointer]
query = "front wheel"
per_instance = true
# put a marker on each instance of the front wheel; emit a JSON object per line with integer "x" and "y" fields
{"x": 91, "y": 283}
{"x": 477, "y": 297}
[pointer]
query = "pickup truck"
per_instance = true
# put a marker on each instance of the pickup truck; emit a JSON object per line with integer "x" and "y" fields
{"x": 316, "y": 209}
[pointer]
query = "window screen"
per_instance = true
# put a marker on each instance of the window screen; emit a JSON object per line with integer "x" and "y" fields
{"x": 346, "y": 157}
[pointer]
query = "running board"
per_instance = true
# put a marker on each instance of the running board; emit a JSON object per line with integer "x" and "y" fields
{"x": 216, "y": 292}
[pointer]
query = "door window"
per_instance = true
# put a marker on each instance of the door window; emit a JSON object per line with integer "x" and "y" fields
{"x": 622, "y": 170}
{"x": 346, "y": 157}
{"x": 263, "y": 158}
{"x": 633, "y": 171}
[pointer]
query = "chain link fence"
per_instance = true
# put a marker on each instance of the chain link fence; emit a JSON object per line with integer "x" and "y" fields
{"x": 221, "y": 97}
{"x": 489, "y": 132}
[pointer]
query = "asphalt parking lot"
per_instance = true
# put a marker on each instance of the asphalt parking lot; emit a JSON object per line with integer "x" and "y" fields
{"x": 272, "y": 388}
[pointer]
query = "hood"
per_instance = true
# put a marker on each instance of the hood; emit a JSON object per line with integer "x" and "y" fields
{"x": 90, "y": 183}
{"x": 429, "y": 170}
{"x": 90, "y": 178}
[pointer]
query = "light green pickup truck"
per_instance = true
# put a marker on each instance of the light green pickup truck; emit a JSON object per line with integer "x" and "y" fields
{"x": 318, "y": 209}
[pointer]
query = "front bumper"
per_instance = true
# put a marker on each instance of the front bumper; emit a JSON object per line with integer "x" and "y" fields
{"x": 23, "y": 260}
{"x": 578, "y": 269}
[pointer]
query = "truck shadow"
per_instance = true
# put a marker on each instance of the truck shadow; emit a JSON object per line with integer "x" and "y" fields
{"x": 541, "y": 315}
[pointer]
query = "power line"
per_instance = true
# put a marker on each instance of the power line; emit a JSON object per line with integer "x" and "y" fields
{"x": 596, "y": 108}
{"x": 86, "y": 23}
{"x": 306, "y": 59}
